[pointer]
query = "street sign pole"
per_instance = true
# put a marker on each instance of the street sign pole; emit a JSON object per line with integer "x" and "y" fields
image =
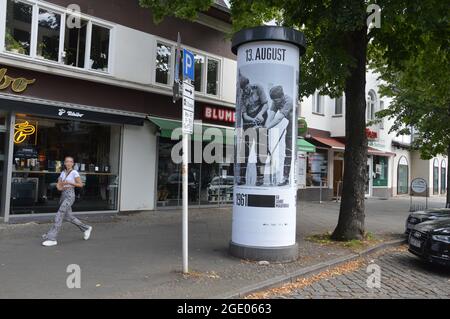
{"x": 188, "y": 106}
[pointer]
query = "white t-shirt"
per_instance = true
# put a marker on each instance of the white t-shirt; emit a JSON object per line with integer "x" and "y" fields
{"x": 71, "y": 178}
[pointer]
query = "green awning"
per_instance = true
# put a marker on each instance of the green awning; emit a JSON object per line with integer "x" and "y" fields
{"x": 305, "y": 146}
{"x": 167, "y": 126}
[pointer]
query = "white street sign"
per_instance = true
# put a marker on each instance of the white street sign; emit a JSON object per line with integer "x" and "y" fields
{"x": 188, "y": 107}
{"x": 188, "y": 91}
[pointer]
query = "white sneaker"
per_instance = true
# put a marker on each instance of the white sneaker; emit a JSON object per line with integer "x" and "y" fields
{"x": 49, "y": 243}
{"x": 87, "y": 233}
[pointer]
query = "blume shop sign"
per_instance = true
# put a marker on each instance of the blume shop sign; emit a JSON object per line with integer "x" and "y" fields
{"x": 219, "y": 114}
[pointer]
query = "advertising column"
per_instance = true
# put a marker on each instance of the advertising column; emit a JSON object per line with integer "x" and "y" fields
{"x": 265, "y": 190}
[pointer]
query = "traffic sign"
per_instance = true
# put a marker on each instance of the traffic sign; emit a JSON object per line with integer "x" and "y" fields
{"x": 188, "y": 65}
{"x": 188, "y": 90}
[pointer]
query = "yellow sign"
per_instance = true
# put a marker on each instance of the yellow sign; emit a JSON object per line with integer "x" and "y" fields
{"x": 22, "y": 131}
{"x": 18, "y": 85}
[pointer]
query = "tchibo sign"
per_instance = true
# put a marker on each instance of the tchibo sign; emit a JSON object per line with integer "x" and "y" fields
{"x": 219, "y": 114}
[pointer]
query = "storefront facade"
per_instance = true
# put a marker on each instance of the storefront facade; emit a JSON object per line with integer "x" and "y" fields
{"x": 37, "y": 133}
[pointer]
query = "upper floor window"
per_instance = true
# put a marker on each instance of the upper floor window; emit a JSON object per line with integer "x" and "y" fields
{"x": 163, "y": 58}
{"x": 371, "y": 102}
{"x": 99, "y": 48}
{"x": 18, "y": 27}
{"x": 49, "y": 30}
{"x": 212, "y": 85}
{"x": 206, "y": 78}
{"x": 382, "y": 119}
{"x": 42, "y": 32}
{"x": 338, "y": 105}
{"x": 318, "y": 103}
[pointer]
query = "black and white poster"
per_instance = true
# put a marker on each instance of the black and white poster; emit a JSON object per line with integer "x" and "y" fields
{"x": 265, "y": 148}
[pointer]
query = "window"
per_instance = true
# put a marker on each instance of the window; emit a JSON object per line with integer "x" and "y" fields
{"x": 212, "y": 77}
{"x": 317, "y": 168}
{"x": 18, "y": 27}
{"x": 443, "y": 177}
{"x": 338, "y": 105}
{"x": 318, "y": 103}
{"x": 75, "y": 45}
{"x": 49, "y": 29}
{"x": 198, "y": 73}
{"x": 163, "y": 55}
{"x": 38, "y": 32}
{"x": 381, "y": 120}
{"x": 99, "y": 48}
{"x": 371, "y": 100}
{"x": 402, "y": 176}
{"x": 38, "y": 161}
{"x": 435, "y": 176}
{"x": 380, "y": 171}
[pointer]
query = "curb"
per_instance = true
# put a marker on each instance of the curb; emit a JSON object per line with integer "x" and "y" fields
{"x": 293, "y": 276}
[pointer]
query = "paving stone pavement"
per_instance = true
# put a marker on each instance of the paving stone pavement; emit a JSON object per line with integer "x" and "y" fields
{"x": 402, "y": 276}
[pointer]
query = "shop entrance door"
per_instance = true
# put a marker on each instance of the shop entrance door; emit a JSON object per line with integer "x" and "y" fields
{"x": 337, "y": 177}
{"x": 369, "y": 177}
{"x": 3, "y": 158}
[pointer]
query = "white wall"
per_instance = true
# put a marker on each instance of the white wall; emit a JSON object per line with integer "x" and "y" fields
{"x": 139, "y": 160}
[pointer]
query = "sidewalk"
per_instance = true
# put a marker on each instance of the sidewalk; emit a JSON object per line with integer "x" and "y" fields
{"x": 139, "y": 256}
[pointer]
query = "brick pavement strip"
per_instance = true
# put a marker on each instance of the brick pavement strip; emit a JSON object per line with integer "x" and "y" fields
{"x": 402, "y": 276}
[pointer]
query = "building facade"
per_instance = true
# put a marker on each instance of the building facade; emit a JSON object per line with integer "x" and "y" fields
{"x": 391, "y": 165}
{"x": 96, "y": 84}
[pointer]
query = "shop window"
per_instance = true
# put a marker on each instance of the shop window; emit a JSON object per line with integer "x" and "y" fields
{"x": 402, "y": 176}
{"x": 208, "y": 183}
{"x": 198, "y": 73}
{"x": 40, "y": 145}
{"x": 435, "y": 176}
{"x": 49, "y": 29}
{"x": 317, "y": 168}
{"x": 99, "y": 48}
{"x": 18, "y": 27}
{"x": 163, "y": 59}
{"x": 75, "y": 45}
{"x": 212, "y": 77}
{"x": 443, "y": 177}
{"x": 380, "y": 171}
{"x": 338, "y": 105}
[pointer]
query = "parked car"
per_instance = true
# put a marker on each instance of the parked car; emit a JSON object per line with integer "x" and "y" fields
{"x": 221, "y": 189}
{"x": 423, "y": 216}
{"x": 431, "y": 241}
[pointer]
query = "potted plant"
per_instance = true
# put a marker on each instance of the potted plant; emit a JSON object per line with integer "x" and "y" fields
{"x": 13, "y": 45}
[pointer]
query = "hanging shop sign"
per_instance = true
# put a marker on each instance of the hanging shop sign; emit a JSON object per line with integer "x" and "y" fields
{"x": 17, "y": 85}
{"x": 265, "y": 190}
{"x": 218, "y": 114}
{"x": 372, "y": 135}
{"x": 302, "y": 127}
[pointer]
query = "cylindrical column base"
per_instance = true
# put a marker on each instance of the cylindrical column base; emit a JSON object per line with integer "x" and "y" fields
{"x": 272, "y": 254}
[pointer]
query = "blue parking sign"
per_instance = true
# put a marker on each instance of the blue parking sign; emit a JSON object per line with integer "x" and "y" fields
{"x": 188, "y": 64}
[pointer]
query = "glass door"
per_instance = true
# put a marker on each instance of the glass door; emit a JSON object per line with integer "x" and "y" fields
{"x": 3, "y": 157}
{"x": 369, "y": 177}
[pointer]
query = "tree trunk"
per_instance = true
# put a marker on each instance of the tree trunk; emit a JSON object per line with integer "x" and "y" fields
{"x": 448, "y": 177}
{"x": 351, "y": 215}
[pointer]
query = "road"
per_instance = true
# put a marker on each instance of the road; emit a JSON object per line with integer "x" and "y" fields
{"x": 402, "y": 276}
